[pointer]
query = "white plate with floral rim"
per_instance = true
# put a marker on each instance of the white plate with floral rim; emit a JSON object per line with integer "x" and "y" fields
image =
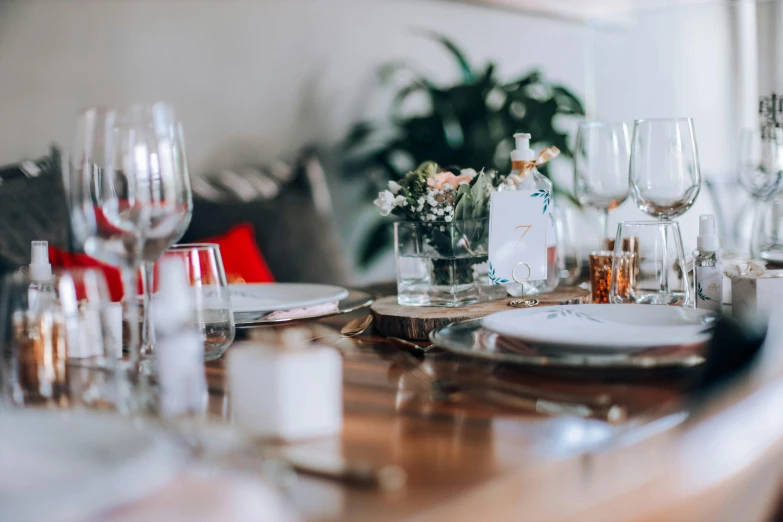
{"x": 604, "y": 327}
{"x": 271, "y": 297}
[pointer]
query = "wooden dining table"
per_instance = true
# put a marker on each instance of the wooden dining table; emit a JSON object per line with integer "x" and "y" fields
{"x": 451, "y": 447}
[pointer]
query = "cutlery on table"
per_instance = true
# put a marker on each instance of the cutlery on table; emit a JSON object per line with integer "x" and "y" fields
{"x": 387, "y": 477}
{"x": 518, "y": 397}
{"x": 352, "y": 328}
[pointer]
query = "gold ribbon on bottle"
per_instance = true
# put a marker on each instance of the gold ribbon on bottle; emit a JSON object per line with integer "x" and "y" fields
{"x": 524, "y": 167}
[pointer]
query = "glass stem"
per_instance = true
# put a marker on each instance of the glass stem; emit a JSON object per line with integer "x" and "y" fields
{"x": 129, "y": 283}
{"x": 665, "y": 265}
{"x": 603, "y": 219}
{"x": 147, "y": 326}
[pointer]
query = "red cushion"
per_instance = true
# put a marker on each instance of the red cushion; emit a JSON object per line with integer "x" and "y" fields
{"x": 242, "y": 260}
{"x": 61, "y": 259}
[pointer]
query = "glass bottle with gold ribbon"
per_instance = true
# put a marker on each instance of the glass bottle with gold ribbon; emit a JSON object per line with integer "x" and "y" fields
{"x": 525, "y": 176}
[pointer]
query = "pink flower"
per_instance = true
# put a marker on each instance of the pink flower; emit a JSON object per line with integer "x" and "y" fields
{"x": 446, "y": 178}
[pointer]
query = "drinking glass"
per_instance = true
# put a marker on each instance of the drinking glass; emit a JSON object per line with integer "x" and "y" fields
{"x": 659, "y": 275}
{"x": 63, "y": 340}
{"x": 664, "y": 169}
{"x": 211, "y": 297}
{"x": 569, "y": 258}
{"x": 761, "y": 162}
{"x": 601, "y": 167}
{"x": 129, "y": 192}
{"x": 761, "y": 175}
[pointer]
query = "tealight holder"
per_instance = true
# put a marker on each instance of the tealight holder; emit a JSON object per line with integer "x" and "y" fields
{"x": 601, "y": 274}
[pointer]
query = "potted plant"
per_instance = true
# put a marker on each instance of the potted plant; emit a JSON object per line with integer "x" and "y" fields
{"x": 467, "y": 123}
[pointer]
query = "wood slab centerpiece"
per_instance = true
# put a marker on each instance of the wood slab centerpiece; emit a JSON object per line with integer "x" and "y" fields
{"x": 416, "y": 322}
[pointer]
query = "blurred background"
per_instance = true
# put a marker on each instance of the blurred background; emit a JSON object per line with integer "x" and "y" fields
{"x": 296, "y": 111}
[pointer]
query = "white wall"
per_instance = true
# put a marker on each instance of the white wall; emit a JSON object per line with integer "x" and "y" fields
{"x": 252, "y": 80}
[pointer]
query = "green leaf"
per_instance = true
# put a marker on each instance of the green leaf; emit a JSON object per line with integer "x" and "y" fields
{"x": 567, "y": 101}
{"x": 464, "y": 203}
{"x": 480, "y": 195}
{"x": 465, "y": 69}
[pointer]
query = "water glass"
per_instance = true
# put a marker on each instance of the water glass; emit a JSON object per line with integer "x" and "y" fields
{"x": 63, "y": 342}
{"x": 761, "y": 162}
{"x": 569, "y": 259}
{"x": 659, "y": 269}
{"x": 767, "y": 240}
{"x": 211, "y": 296}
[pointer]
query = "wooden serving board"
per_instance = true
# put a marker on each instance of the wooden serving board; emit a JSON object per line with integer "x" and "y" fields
{"x": 416, "y": 322}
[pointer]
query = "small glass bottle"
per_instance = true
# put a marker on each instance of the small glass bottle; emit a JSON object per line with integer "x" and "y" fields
{"x": 41, "y": 292}
{"x": 524, "y": 178}
{"x": 708, "y": 267}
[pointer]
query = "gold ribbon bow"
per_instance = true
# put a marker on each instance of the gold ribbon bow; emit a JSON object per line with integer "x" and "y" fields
{"x": 525, "y": 167}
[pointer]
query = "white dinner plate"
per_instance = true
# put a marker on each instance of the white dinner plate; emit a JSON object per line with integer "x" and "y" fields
{"x": 270, "y": 297}
{"x": 81, "y": 463}
{"x": 609, "y": 327}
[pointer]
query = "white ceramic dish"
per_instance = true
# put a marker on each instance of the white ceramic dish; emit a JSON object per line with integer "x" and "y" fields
{"x": 609, "y": 327}
{"x": 270, "y": 297}
{"x": 81, "y": 463}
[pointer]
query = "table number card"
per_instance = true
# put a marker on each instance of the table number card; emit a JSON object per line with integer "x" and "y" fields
{"x": 518, "y": 224}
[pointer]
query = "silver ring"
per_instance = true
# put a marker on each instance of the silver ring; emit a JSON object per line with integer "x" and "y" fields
{"x": 529, "y": 272}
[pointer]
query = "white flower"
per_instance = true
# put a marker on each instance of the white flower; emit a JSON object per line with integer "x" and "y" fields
{"x": 471, "y": 173}
{"x": 449, "y": 208}
{"x": 448, "y": 219}
{"x": 464, "y": 183}
{"x": 385, "y": 202}
{"x": 394, "y": 187}
{"x": 399, "y": 201}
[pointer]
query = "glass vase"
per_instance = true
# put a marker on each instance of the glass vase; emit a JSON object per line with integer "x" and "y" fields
{"x": 443, "y": 263}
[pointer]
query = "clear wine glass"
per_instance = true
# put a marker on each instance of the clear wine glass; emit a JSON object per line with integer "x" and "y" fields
{"x": 210, "y": 294}
{"x": 664, "y": 170}
{"x": 601, "y": 167}
{"x": 129, "y": 192}
{"x": 761, "y": 162}
{"x": 172, "y": 163}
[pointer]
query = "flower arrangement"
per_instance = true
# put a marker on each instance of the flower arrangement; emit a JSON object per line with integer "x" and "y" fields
{"x": 446, "y": 221}
{"x": 429, "y": 194}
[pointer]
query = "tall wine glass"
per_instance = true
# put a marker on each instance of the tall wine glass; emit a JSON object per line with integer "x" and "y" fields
{"x": 174, "y": 206}
{"x": 129, "y": 192}
{"x": 664, "y": 171}
{"x": 761, "y": 162}
{"x": 601, "y": 167}
{"x": 761, "y": 175}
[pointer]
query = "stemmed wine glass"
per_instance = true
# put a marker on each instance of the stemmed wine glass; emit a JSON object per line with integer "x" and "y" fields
{"x": 664, "y": 171}
{"x": 761, "y": 162}
{"x": 601, "y": 167}
{"x": 129, "y": 192}
{"x": 761, "y": 175}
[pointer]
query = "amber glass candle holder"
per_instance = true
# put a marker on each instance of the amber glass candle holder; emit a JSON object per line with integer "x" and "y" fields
{"x": 601, "y": 273}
